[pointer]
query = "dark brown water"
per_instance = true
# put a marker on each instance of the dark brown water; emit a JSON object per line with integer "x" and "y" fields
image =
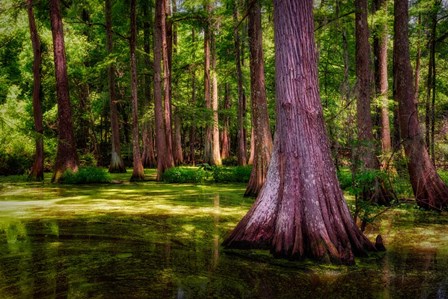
{"x": 163, "y": 241}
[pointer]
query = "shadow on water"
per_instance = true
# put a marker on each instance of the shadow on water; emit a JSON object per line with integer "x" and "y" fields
{"x": 163, "y": 241}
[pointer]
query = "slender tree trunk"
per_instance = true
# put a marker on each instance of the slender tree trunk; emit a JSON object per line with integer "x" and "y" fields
{"x": 241, "y": 144}
{"x": 261, "y": 131}
{"x": 250, "y": 161}
{"x": 429, "y": 190}
{"x": 382, "y": 86}
{"x": 177, "y": 153}
{"x": 225, "y": 140}
{"x": 116, "y": 163}
{"x": 215, "y": 158}
{"x": 418, "y": 59}
{"x": 208, "y": 140}
{"x": 137, "y": 172}
{"x": 163, "y": 156}
{"x": 300, "y": 212}
{"x": 37, "y": 171}
{"x": 148, "y": 155}
{"x": 166, "y": 59}
{"x": 193, "y": 104}
{"x": 66, "y": 156}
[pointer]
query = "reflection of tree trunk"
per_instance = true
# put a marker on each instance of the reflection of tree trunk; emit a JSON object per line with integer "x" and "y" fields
{"x": 116, "y": 163}
{"x": 137, "y": 173}
{"x": 261, "y": 134}
{"x": 66, "y": 156}
{"x": 241, "y": 144}
{"x": 429, "y": 190}
{"x": 300, "y": 212}
{"x": 37, "y": 171}
{"x": 148, "y": 156}
{"x": 225, "y": 140}
{"x": 216, "y": 244}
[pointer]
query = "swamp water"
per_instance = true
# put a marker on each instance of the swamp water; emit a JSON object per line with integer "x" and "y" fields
{"x": 152, "y": 240}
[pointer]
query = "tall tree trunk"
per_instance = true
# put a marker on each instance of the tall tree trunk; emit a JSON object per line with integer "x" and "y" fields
{"x": 241, "y": 144}
{"x": 116, "y": 163}
{"x": 215, "y": 157}
{"x": 225, "y": 140}
{"x": 37, "y": 170}
{"x": 166, "y": 59}
{"x": 177, "y": 149}
{"x": 148, "y": 155}
{"x": 164, "y": 160}
{"x": 260, "y": 117}
{"x": 66, "y": 156}
{"x": 429, "y": 190}
{"x": 207, "y": 84}
{"x": 137, "y": 172}
{"x": 300, "y": 212}
{"x": 418, "y": 59}
{"x": 381, "y": 84}
{"x": 193, "y": 104}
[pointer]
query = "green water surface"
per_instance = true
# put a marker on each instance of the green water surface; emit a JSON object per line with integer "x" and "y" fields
{"x": 153, "y": 240}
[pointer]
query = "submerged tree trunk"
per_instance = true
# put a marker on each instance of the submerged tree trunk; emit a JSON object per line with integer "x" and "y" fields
{"x": 241, "y": 144}
{"x": 137, "y": 172}
{"x": 429, "y": 190}
{"x": 116, "y": 163}
{"x": 163, "y": 156}
{"x": 261, "y": 132}
{"x": 66, "y": 156}
{"x": 37, "y": 170}
{"x": 300, "y": 212}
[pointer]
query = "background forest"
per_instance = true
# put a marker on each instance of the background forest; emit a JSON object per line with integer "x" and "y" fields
{"x": 206, "y": 81}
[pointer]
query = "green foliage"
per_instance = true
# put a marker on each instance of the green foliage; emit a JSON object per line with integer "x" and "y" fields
{"x": 87, "y": 160}
{"x": 345, "y": 179}
{"x": 230, "y": 161}
{"x": 184, "y": 175}
{"x": 86, "y": 175}
{"x": 238, "y": 174}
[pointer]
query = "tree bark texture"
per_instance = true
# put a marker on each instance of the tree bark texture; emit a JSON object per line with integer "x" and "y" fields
{"x": 137, "y": 172}
{"x": 241, "y": 144}
{"x": 66, "y": 156}
{"x": 381, "y": 83}
{"x": 177, "y": 148}
{"x": 261, "y": 131}
{"x": 116, "y": 163}
{"x": 300, "y": 212}
{"x": 37, "y": 170}
{"x": 429, "y": 190}
{"x": 225, "y": 133}
{"x": 163, "y": 159}
{"x": 215, "y": 158}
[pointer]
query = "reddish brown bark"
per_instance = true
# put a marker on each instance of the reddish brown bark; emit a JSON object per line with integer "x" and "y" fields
{"x": 177, "y": 140}
{"x": 37, "y": 170}
{"x": 116, "y": 163}
{"x": 429, "y": 190}
{"x": 241, "y": 145}
{"x": 137, "y": 172}
{"x": 163, "y": 156}
{"x": 300, "y": 212}
{"x": 225, "y": 135}
{"x": 261, "y": 132}
{"x": 215, "y": 154}
{"x": 66, "y": 156}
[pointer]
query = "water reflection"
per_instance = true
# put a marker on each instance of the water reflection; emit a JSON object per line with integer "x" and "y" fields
{"x": 174, "y": 252}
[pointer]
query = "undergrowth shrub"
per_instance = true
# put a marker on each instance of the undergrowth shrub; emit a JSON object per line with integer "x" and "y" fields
{"x": 86, "y": 175}
{"x": 238, "y": 174}
{"x": 184, "y": 175}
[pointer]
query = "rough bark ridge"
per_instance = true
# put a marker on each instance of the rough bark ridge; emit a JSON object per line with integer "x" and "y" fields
{"x": 300, "y": 212}
{"x": 261, "y": 132}
{"x": 116, "y": 163}
{"x": 429, "y": 190}
{"x": 37, "y": 170}
{"x": 66, "y": 156}
{"x": 137, "y": 172}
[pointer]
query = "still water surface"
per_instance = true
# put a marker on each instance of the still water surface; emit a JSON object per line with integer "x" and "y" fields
{"x": 154, "y": 240}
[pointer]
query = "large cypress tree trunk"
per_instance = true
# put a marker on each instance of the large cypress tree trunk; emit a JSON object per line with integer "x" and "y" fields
{"x": 163, "y": 157}
{"x": 261, "y": 132}
{"x": 66, "y": 156}
{"x": 429, "y": 190}
{"x": 300, "y": 212}
{"x": 241, "y": 144}
{"x": 116, "y": 163}
{"x": 37, "y": 170}
{"x": 137, "y": 172}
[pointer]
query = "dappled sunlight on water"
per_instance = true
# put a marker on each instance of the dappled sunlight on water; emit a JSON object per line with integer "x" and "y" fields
{"x": 152, "y": 240}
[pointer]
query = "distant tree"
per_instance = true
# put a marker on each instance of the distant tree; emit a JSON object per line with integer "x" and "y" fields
{"x": 300, "y": 212}
{"x": 66, "y": 156}
{"x": 225, "y": 132}
{"x": 116, "y": 163}
{"x": 429, "y": 189}
{"x": 37, "y": 170}
{"x": 261, "y": 136}
{"x": 137, "y": 173}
